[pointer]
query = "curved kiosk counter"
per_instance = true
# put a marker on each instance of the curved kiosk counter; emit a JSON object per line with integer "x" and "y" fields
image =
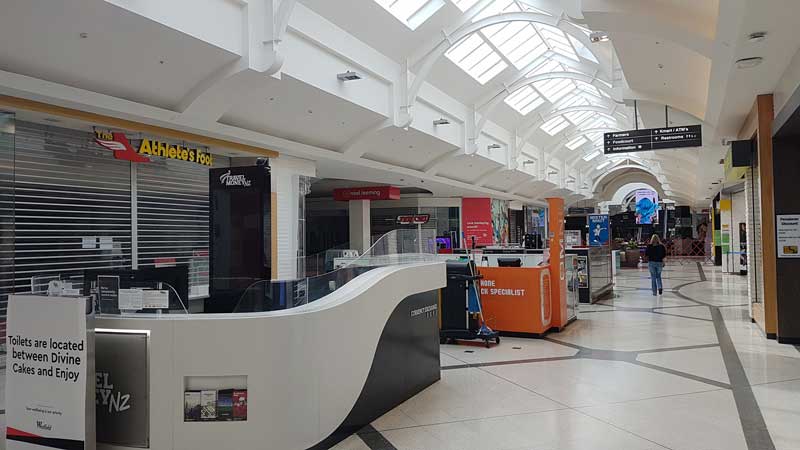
{"x": 310, "y": 375}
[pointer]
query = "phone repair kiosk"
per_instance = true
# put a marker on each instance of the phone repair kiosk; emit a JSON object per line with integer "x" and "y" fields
{"x": 529, "y": 300}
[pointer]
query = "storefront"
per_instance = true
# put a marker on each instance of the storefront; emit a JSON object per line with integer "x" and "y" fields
{"x": 95, "y": 219}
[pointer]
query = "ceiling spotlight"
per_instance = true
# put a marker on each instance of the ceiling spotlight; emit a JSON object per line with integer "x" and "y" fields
{"x": 494, "y": 146}
{"x": 758, "y": 36}
{"x": 441, "y": 121}
{"x": 749, "y": 63}
{"x": 599, "y": 36}
{"x": 552, "y": 173}
{"x": 528, "y": 162}
{"x": 348, "y": 76}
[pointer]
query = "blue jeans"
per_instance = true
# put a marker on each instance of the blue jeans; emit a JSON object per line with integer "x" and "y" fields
{"x": 655, "y": 275}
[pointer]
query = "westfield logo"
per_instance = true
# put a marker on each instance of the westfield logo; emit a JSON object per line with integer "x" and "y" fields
{"x": 119, "y": 144}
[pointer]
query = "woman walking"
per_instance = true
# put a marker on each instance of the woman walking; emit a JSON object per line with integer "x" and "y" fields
{"x": 656, "y": 252}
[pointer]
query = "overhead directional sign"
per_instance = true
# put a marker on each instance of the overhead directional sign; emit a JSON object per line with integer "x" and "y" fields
{"x": 653, "y": 139}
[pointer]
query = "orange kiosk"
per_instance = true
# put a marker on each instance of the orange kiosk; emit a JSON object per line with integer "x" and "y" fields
{"x": 529, "y": 301}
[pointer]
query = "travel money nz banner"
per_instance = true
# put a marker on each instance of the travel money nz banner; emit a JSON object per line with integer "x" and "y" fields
{"x": 46, "y": 373}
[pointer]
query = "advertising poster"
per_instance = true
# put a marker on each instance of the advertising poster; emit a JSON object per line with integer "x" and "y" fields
{"x": 476, "y": 217}
{"x": 121, "y": 387}
{"x": 500, "y": 222}
{"x": 646, "y": 207}
{"x": 788, "y": 236}
{"x": 46, "y": 373}
{"x": 598, "y": 230}
{"x": 572, "y": 238}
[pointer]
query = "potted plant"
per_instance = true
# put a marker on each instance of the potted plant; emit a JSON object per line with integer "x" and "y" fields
{"x": 631, "y": 254}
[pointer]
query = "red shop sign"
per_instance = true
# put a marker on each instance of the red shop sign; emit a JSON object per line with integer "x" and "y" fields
{"x": 367, "y": 193}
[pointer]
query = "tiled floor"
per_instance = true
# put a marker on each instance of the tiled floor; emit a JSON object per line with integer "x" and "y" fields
{"x": 636, "y": 372}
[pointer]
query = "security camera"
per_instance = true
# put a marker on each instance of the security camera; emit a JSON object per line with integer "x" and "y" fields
{"x": 598, "y": 36}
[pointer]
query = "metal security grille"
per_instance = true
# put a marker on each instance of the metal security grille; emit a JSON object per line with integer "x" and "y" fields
{"x": 172, "y": 215}
{"x": 72, "y": 207}
{"x": 6, "y": 214}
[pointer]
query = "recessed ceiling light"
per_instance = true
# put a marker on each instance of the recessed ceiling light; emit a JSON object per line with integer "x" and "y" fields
{"x": 758, "y": 36}
{"x": 441, "y": 121}
{"x": 749, "y": 63}
{"x": 493, "y": 146}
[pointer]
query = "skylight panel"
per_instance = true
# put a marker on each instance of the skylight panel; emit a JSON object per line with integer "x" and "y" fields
{"x": 572, "y": 100}
{"x": 518, "y": 41}
{"x": 592, "y": 155}
{"x": 555, "y": 89}
{"x": 575, "y": 143}
{"x": 582, "y": 50}
{"x": 578, "y": 117}
{"x": 476, "y": 57}
{"x": 547, "y": 66}
{"x": 596, "y": 138}
{"x": 525, "y": 100}
{"x": 497, "y": 7}
{"x": 555, "y": 126}
{"x": 464, "y": 5}
{"x": 412, "y": 13}
{"x": 557, "y": 41}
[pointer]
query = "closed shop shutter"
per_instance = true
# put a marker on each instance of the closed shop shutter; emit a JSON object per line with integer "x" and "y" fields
{"x": 66, "y": 206}
{"x": 71, "y": 206}
{"x": 172, "y": 212}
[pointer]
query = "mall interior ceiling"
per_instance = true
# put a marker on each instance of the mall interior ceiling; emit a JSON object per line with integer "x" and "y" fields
{"x": 502, "y": 98}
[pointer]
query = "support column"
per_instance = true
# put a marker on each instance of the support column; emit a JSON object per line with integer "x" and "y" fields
{"x": 360, "y": 233}
{"x": 288, "y": 231}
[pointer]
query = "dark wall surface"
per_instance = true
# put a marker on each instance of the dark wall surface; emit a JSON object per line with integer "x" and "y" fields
{"x": 786, "y": 155}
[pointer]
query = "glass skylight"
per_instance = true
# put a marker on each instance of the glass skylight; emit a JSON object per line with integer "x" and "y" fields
{"x": 555, "y": 89}
{"x": 476, "y": 57}
{"x": 464, "y": 5}
{"x": 575, "y": 143}
{"x": 592, "y": 155}
{"x": 555, "y": 126}
{"x": 412, "y": 13}
{"x": 578, "y": 117}
{"x": 524, "y": 100}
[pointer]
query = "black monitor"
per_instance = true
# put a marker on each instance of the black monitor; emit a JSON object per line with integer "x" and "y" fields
{"x": 177, "y": 277}
{"x": 509, "y": 262}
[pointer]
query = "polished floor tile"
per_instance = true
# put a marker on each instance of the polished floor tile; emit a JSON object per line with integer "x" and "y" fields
{"x": 703, "y": 421}
{"x": 701, "y": 362}
{"x": 587, "y": 382}
{"x": 509, "y": 349}
{"x": 465, "y": 394}
{"x": 780, "y": 405}
{"x": 351, "y": 443}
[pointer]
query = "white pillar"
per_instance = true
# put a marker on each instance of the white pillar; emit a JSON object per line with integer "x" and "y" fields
{"x": 360, "y": 233}
{"x": 285, "y": 178}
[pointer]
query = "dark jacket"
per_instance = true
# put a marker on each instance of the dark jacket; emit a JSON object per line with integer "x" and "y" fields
{"x": 656, "y": 253}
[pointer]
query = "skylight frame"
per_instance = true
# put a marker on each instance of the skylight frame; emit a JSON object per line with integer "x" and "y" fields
{"x": 555, "y": 125}
{"x": 525, "y": 100}
{"x": 411, "y": 13}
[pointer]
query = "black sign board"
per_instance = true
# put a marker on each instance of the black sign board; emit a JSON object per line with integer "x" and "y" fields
{"x": 653, "y": 139}
{"x": 248, "y": 177}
